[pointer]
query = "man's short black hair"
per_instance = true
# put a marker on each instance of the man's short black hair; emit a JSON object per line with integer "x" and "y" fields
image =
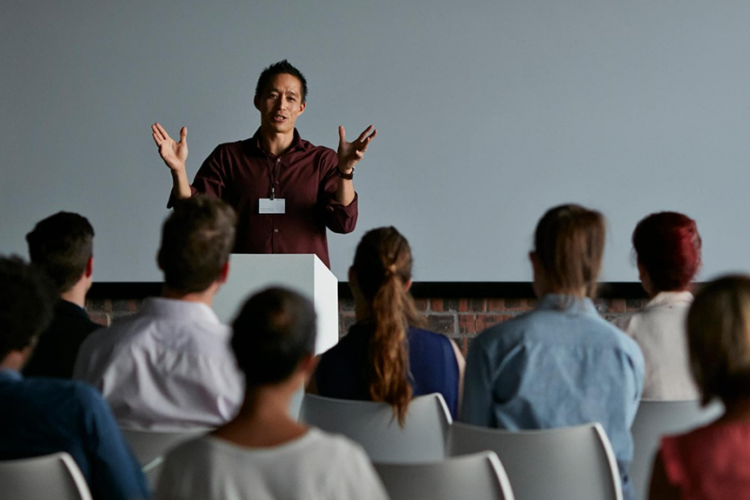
{"x": 196, "y": 241}
{"x": 280, "y": 68}
{"x": 61, "y": 245}
{"x": 274, "y": 330}
{"x": 26, "y": 302}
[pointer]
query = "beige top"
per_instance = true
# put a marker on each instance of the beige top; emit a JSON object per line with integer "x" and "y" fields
{"x": 659, "y": 328}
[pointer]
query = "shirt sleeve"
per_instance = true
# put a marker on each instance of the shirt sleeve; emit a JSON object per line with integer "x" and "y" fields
{"x": 476, "y": 408}
{"x": 338, "y": 217}
{"x": 115, "y": 473}
{"x": 209, "y": 179}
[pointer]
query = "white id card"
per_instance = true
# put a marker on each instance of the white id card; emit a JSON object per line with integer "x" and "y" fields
{"x": 269, "y": 206}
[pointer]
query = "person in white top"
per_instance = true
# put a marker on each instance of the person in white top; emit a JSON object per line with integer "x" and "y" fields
{"x": 264, "y": 453}
{"x": 169, "y": 366}
{"x": 668, "y": 247}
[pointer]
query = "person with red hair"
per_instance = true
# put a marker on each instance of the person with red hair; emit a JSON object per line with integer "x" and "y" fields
{"x": 668, "y": 249}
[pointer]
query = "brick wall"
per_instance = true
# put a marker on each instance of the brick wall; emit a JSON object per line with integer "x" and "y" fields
{"x": 460, "y": 319}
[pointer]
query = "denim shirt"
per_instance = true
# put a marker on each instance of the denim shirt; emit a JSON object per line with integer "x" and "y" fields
{"x": 45, "y": 415}
{"x": 559, "y": 365}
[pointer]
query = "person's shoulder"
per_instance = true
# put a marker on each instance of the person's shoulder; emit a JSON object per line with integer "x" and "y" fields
{"x": 508, "y": 331}
{"x": 335, "y": 447}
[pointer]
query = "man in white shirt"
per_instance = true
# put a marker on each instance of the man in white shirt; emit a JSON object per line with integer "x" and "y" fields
{"x": 169, "y": 366}
{"x": 264, "y": 453}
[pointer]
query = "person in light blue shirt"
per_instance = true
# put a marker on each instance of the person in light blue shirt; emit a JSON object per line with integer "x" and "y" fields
{"x": 41, "y": 416}
{"x": 561, "y": 364}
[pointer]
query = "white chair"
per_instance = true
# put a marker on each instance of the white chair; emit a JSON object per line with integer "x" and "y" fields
{"x": 567, "y": 463}
{"x": 422, "y": 439}
{"x": 150, "y": 447}
{"x": 479, "y": 476}
{"x": 656, "y": 419}
{"x": 41, "y": 478}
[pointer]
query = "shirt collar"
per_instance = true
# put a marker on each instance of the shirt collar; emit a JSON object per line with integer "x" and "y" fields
{"x": 297, "y": 142}
{"x": 11, "y": 375}
{"x": 667, "y": 298}
{"x": 567, "y": 303}
{"x": 68, "y": 308}
{"x": 179, "y": 309}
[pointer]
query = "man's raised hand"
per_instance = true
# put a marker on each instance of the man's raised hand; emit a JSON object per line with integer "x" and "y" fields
{"x": 351, "y": 152}
{"x": 173, "y": 153}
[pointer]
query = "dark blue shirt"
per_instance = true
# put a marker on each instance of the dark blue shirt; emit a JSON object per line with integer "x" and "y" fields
{"x": 44, "y": 415}
{"x": 344, "y": 371}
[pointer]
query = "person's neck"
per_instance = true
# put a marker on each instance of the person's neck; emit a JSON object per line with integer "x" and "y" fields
{"x": 275, "y": 143}
{"x": 263, "y": 419}
{"x": 77, "y": 294}
{"x": 204, "y": 297}
{"x": 362, "y": 309}
{"x": 15, "y": 360}
{"x": 736, "y": 411}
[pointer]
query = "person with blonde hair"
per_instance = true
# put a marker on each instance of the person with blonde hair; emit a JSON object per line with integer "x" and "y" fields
{"x": 711, "y": 462}
{"x": 561, "y": 364}
{"x": 386, "y": 356}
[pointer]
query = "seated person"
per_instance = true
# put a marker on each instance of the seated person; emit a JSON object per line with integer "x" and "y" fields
{"x": 62, "y": 246}
{"x": 263, "y": 453}
{"x": 169, "y": 366}
{"x": 41, "y": 416}
{"x": 560, "y": 364}
{"x": 711, "y": 462}
{"x": 669, "y": 254}
{"x": 385, "y": 357}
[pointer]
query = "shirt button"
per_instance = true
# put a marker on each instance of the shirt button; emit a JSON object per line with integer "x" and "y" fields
{"x": 275, "y": 230}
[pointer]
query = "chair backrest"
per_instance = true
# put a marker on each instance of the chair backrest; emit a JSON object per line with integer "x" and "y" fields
{"x": 567, "y": 463}
{"x": 372, "y": 425}
{"x": 479, "y": 476}
{"x": 150, "y": 447}
{"x": 656, "y": 419}
{"x": 40, "y": 478}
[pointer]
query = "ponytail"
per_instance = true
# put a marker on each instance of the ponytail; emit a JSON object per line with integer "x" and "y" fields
{"x": 383, "y": 268}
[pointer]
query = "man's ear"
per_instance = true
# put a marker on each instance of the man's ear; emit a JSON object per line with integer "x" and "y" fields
{"x": 308, "y": 364}
{"x": 302, "y": 108}
{"x": 407, "y": 285}
{"x": 224, "y": 273}
{"x": 89, "y": 270}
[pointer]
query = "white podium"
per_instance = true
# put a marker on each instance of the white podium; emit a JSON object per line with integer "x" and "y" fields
{"x": 305, "y": 274}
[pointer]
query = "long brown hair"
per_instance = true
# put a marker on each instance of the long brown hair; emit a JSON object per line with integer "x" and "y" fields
{"x": 382, "y": 266}
{"x": 569, "y": 244}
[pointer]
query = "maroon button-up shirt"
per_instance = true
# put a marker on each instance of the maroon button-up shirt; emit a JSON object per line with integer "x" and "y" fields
{"x": 241, "y": 173}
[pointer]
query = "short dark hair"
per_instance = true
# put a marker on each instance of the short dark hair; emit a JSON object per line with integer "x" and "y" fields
{"x": 668, "y": 246}
{"x": 280, "y": 68}
{"x": 718, "y": 330}
{"x": 196, "y": 242}
{"x": 274, "y": 330}
{"x": 26, "y": 302}
{"x": 569, "y": 243}
{"x": 61, "y": 245}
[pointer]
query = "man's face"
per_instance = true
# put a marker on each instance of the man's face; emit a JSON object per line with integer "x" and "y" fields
{"x": 280, "y": 104}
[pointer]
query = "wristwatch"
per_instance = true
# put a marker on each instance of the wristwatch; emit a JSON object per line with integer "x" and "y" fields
{"x": 348, "y": 176}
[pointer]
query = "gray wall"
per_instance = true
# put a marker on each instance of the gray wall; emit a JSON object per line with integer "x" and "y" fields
{"x": 488, "y": 112}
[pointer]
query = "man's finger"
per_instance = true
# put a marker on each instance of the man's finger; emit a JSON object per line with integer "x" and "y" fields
{"x": 163, "y": 132}
{"x": 183, "y": 134}
{"x": 156, "y": 132}
{"x": 372, "y": 136}
{"x": 364, "y": 134}
{"x": 156, "y": 139}
{"x": 342, "y": 133}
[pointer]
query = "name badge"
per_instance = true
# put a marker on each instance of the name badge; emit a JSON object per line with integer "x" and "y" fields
{"x": 269, "y": 206}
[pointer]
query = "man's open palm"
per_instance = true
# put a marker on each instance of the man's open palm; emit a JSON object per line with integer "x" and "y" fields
{"x": 173, "y": 153}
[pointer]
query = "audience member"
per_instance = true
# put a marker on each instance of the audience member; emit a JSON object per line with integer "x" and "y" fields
{"x": 62, "y": 246}
{"x": 560, "y": 364}
{"x": 169, "y": 366}
{"x": 264, "y": 453}
{"x": 385, "y": 357}
{"x": 41, "y": 416}
{"x": 669, "y": 254}
{"x": 711, "y": 462}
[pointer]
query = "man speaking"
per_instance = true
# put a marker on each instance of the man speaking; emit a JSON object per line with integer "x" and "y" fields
{"x": 285, "y": 190}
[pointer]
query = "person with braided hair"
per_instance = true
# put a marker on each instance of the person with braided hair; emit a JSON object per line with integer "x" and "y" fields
{"x": 385, "y": 356}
